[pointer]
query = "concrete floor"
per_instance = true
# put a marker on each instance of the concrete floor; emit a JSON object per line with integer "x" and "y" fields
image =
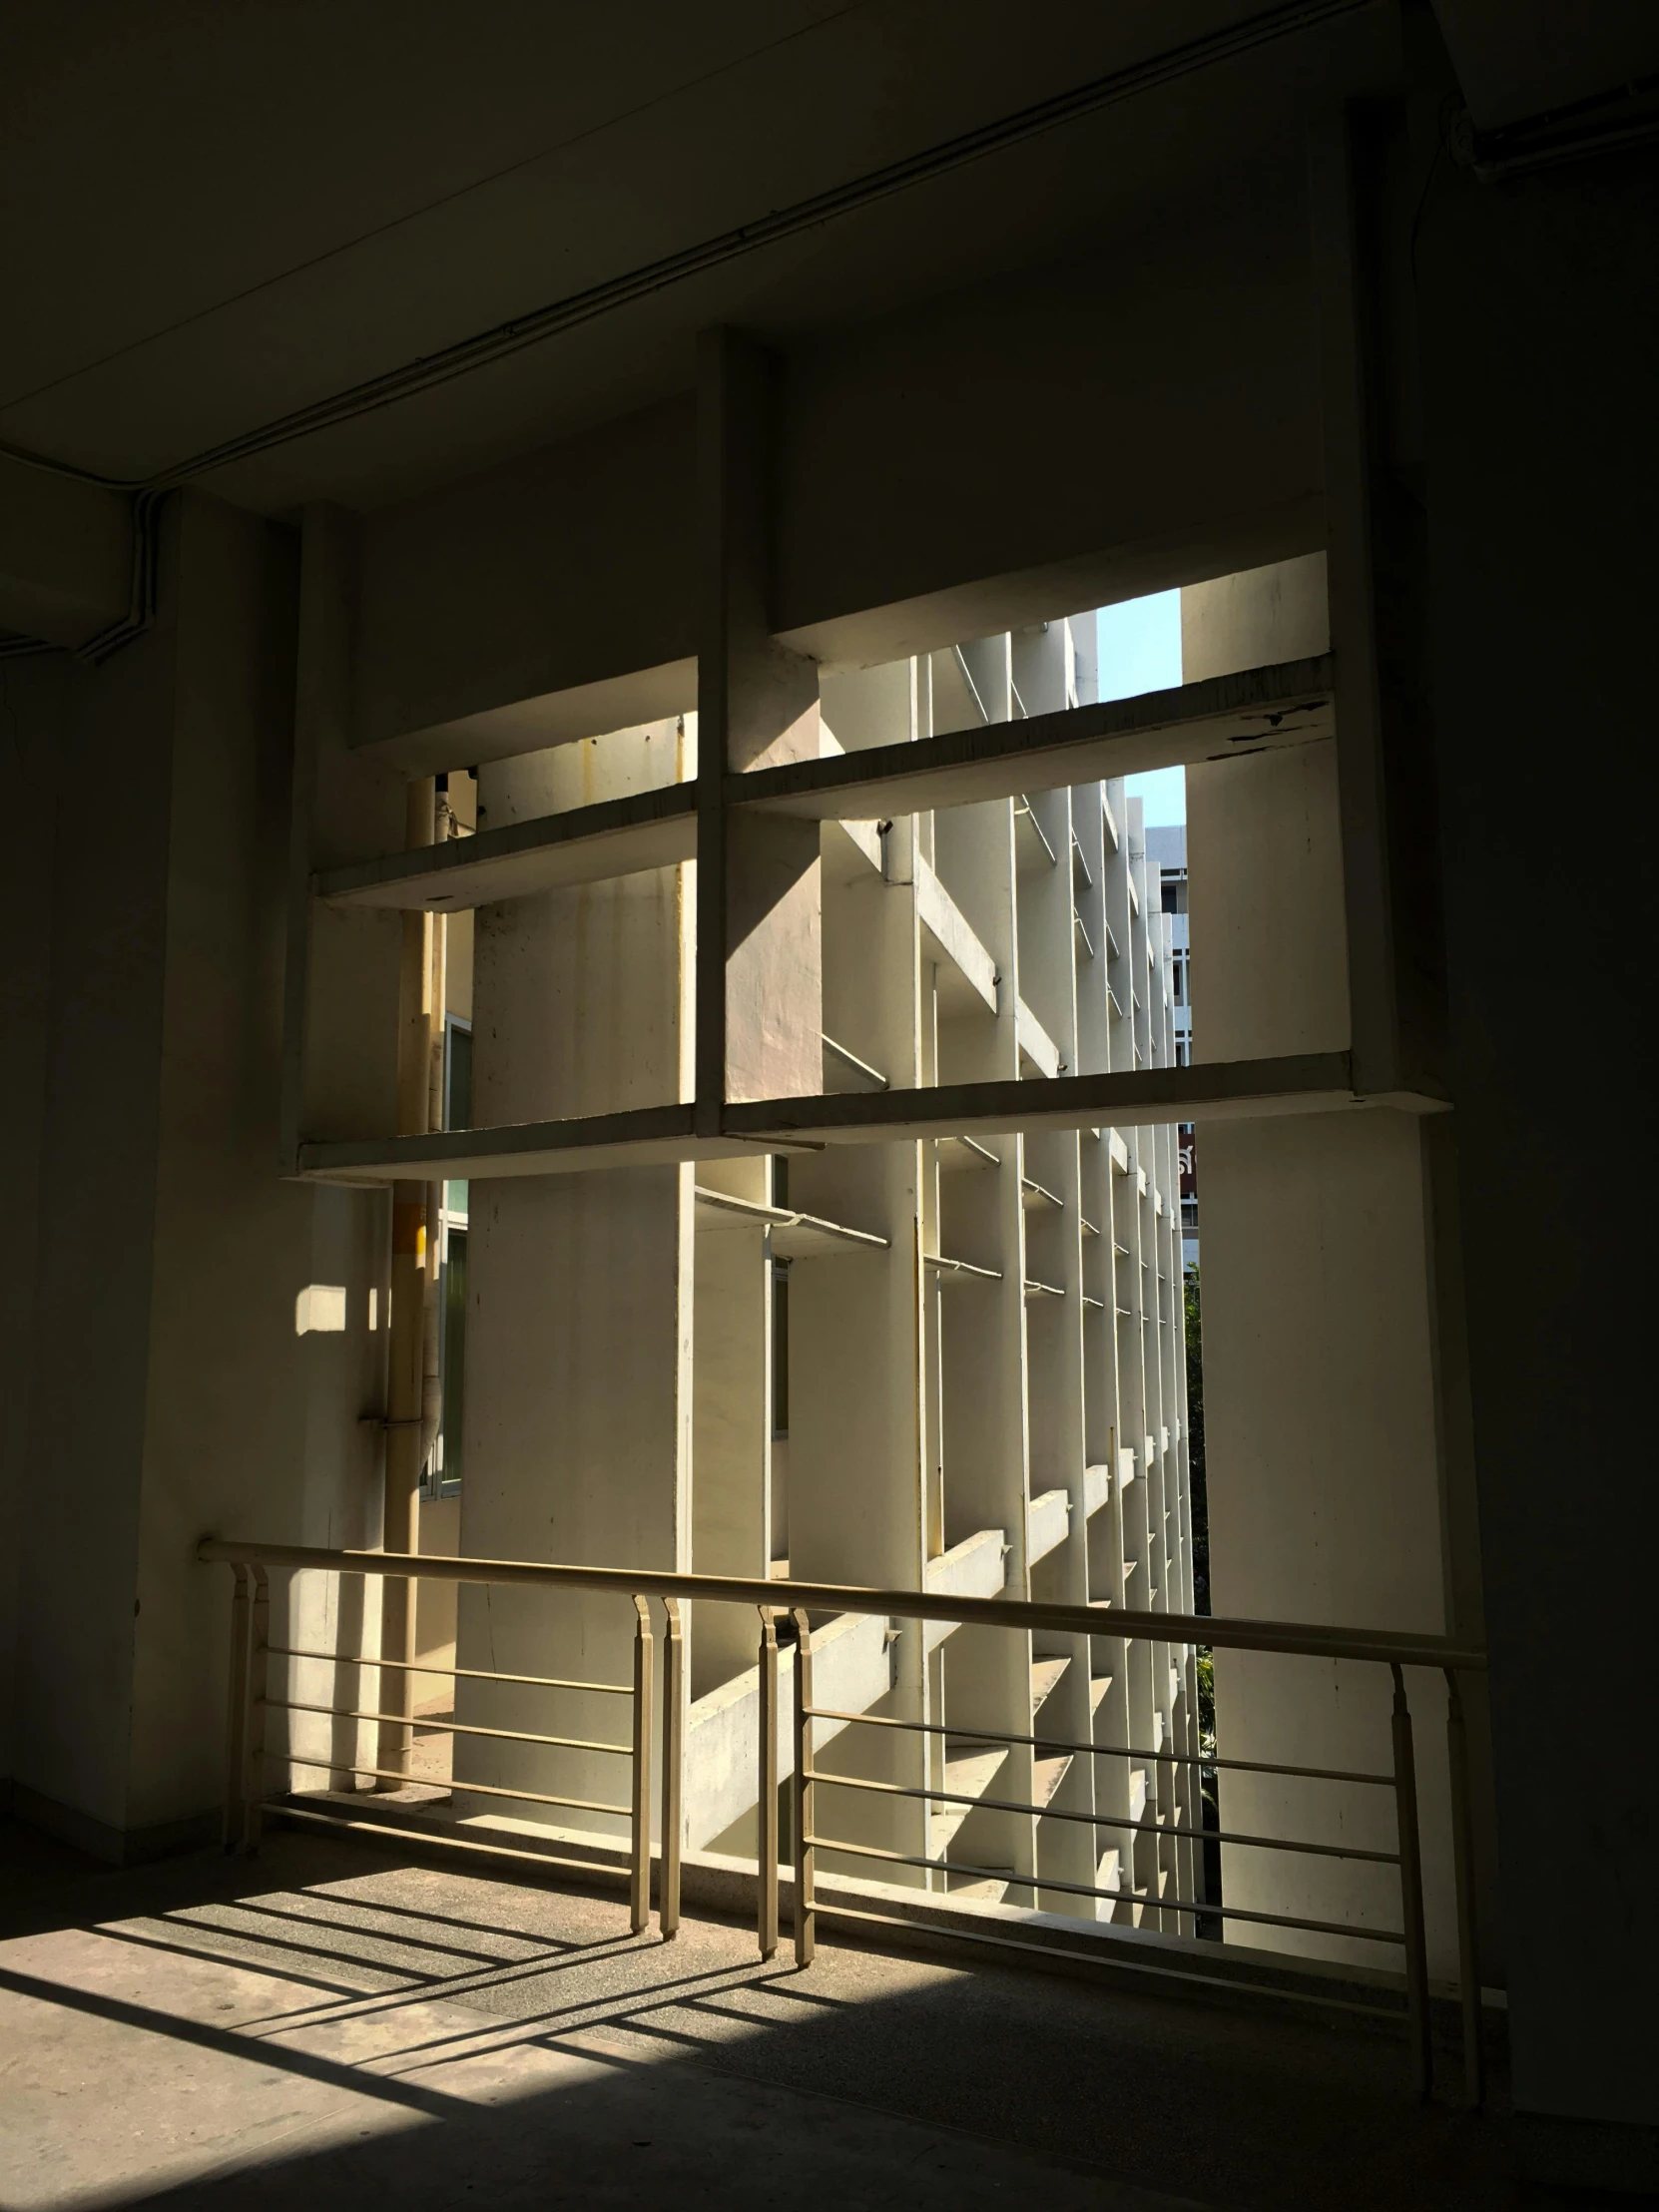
{"x": 327, "y": 2022}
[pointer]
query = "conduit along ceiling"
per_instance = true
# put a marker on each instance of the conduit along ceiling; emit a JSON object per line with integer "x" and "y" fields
{"x": 232, "y": 213}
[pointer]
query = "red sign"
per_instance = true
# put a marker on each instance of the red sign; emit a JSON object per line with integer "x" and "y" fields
{"x": 1187, "y": 1145}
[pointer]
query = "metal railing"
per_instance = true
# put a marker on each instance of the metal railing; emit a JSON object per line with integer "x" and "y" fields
{"x": 797, "y": 1602}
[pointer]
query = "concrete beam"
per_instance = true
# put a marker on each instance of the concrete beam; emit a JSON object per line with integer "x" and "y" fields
{"x": 1291, "y": 705}
{"x": 554, "y": 597}
{"x": 1253, "y": 710}
{"x": 586, "y": 845}
{"x": 1305, "y": 1083}
{"x": 544, "y": 600}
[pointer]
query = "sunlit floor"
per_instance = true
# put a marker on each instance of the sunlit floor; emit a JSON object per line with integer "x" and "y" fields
{"x": 327, "y": 2025}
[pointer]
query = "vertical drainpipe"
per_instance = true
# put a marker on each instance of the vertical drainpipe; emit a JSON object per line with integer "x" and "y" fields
{"x": 413, "y": 1227}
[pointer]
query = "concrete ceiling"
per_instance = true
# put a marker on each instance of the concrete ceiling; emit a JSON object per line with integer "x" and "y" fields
{"x": 1517, "y": 59}
{"x": 231, "y": 213}
{"x": 224, "y": 214}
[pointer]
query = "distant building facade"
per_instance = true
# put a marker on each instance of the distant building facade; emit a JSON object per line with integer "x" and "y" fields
{"x": 1166, "y": 850}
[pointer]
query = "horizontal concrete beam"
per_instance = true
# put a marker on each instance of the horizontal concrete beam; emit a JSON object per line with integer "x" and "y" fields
{"x": 1221, "y": 1090}
{"x": 1215, "y": 719}
{"x": 555, "y": 718}
{"x": 1251, "y": 710}
{"x": 546, "y": 599}
{"x": 619, "y": 836}
{"x": 553, "y": 596}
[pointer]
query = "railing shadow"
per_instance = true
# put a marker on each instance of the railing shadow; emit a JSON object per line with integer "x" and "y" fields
{"x": 580, "y": 2065}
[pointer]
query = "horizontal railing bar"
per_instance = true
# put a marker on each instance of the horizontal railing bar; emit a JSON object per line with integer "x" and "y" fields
{"x": 445, "y": 1727}
{"x": 1248, "y": 1766}
{"x": 1099, "y": 1820}
{"x": 1293, "y": 1638}
{"x": 459, "y": 1674}
{"x": 292, "y": 1758}
{"x": 1094, "y": 1751}
{"x": 827, "y": 1909}
{"x": 1117, "y": 1897}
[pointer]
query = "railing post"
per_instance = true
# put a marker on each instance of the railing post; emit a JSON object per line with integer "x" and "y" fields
{"x": 395, "y": 1739}
{"x": 674, "y": 1769}
{"x": 1411, "y": 1888}
{"x": 639, "y": 1888}
{"x": 1462, "y": 1860}
{"x": 259, "y": 1670}
{"x": 806, "y": 1857}
{"x": 765, "y": 1815}
{"x": 235, "y": 1726}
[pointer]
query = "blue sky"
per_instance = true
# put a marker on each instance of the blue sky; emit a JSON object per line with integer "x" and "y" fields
{"x": 1140, "y": 651}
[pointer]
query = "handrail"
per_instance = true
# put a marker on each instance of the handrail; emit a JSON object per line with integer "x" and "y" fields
{"x": 252, "y": 1698}
{"x": 1297, "y": 1638}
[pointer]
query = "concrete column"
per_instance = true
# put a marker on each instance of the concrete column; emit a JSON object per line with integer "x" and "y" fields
{"x": 172, "y": 1391}
{"x": 857, "y": 1455}
{"x": 1542, "y": 448}
{"x": 757, "y": 1000}
{"x": 986, "y": 1437}
{"x": 732, "y": 1438}
{"x": 1050, "y": 954}
{"x": 1322, "y": 1426}
{"x": 579, "y": 1332}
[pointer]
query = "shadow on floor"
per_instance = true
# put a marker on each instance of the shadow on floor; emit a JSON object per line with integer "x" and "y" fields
{"x": 328, "y": 2023}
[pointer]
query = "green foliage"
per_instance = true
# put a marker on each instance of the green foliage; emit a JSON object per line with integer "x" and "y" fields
{"x": 1207, "y": 1701}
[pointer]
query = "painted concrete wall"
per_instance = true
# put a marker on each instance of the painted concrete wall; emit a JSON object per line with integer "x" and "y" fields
{"x": 484, "y": 601}
{"x": 171, "y": 1257}
{"x": 33, "y": 710}
{"x": 1542, "y": 671}
{"x": 1540, "y": 604}
{"x": 1323, "y": 1436}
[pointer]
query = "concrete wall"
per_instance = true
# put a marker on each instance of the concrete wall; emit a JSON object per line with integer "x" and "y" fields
{"x": 1542, "y": 668}
{"x": 568, "y": 571}
{"x": 533, "y": 579}
{"x": 170, "y": 1390}
{"x": 161, "y": 1359}
{"x": 32, "y": 707}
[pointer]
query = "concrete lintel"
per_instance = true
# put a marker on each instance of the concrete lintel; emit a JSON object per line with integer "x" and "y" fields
{"x": 867, "y": 637}
{"x": 554, "y": 718}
